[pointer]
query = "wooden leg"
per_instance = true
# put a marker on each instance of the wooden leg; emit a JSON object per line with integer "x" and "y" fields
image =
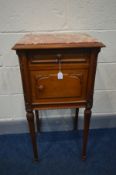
{"x": 37, "y": 120}
{"x": 30, "y": 118}
{"x": 87, "y": 116}
{"x": 76, "y": 119}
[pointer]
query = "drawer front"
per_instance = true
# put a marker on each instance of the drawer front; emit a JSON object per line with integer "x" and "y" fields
{"x": 46, "y": 87}
{"x": 67, "y": 58}
{"x": 51, "y": 59}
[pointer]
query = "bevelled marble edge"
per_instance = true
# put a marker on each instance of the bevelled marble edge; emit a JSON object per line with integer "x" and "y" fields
{"x": 57, "y": 39}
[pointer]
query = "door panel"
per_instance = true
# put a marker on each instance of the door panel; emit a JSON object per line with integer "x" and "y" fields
{"x": 47, "y": 87}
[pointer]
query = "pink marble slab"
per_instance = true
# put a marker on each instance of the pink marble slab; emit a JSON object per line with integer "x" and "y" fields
{"x": 56, "y": 39}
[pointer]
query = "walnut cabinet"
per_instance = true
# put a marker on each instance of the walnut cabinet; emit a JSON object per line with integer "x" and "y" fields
{"x": 58, "y": 71}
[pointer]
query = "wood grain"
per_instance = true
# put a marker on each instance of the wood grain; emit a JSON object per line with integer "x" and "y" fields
{"x": 41, "y": 57}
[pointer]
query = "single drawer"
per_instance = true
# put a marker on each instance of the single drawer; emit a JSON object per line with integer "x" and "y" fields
{"x": 53, "y": 57}
{"x": 47, "y": 87}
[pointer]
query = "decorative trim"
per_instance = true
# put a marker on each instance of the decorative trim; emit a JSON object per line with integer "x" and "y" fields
{"x": 89, "y": 104}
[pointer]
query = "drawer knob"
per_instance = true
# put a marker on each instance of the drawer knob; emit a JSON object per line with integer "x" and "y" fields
{"x": 59, "y": 56}
{"x": 41, "y": 87}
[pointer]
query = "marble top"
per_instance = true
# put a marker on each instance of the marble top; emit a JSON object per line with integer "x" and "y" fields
{"x": 50, "y": 39}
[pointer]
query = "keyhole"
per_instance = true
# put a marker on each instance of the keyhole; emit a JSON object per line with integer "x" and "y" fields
{"x": 59, "y": 56}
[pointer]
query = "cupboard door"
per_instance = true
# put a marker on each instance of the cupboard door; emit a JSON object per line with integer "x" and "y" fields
{"x": 47, "y": 87}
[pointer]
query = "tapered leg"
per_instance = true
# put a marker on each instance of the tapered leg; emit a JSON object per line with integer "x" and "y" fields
{"x": 30, "y": 118}
{"x": 37, "y": 120}
{"x": 87, "y": 116}
{"x": 76, "y": 119}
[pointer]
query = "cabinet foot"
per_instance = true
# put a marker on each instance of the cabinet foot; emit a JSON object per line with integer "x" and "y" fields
{"x": 83, "y": 157}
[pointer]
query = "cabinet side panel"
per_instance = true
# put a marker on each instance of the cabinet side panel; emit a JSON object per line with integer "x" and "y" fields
{"x": 91, "y": 76}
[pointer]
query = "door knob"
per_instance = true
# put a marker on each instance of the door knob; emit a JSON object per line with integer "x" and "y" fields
{"x": 41, "y": 87}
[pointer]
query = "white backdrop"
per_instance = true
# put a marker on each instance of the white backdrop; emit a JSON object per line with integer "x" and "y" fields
{"x": 17, "y": 18}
